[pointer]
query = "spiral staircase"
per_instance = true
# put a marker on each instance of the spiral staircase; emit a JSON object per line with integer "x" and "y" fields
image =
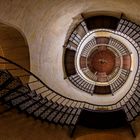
{"x": 21, "y": 89}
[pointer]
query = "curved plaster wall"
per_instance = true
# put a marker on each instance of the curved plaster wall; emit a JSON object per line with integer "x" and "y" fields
{"x": 45, "y": 24}
{"x": 13, "y": 45}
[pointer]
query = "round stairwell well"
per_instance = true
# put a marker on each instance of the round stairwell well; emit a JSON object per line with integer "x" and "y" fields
{"x": 104, "y": 63}
{"x": 102, "y": 59}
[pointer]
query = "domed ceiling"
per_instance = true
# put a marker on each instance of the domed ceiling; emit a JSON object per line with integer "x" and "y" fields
{"x": 102, "y": 58}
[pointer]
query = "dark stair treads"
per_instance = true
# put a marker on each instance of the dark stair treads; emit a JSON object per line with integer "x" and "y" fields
{"x": 119, "y": 46}
{"x": 132, "y": 107}
{"x": 49, "y": 111}
{"x": 69, "y": 119}
{"x": 58, "y": 117}
{"x": 137, "y": 107}
{"x": 64, "y": 109}
{"x": 73, "y": 117}
{"x": 1, "y": 71}
{"x": 74, "y": 111}
{"x": 10, "y": 87}
{"x": 24, "y": 89}
{"x": 18, "y": 93}
{"x": 60, "y": 114}
{"x": 69, "y": 110}
{"x": 65, "y": 116}
{"x": 52, "y": 115}
{"x": 5, "y": 78}
{"x": 81, "y": 84}
{"x": 76, "y": 36}
{"x": 46, "y": 113}
{"x": 16, "y": 82}
{"x": 33, "y": 108}
{"x": 42, "y": 109}
{"x": 97, "y": 22}
{"x": 27, "y": 104}
{"x": 39, "y": 111}
{"x": 63, "y": 119}
{"x": 32, "y": 94}
{"x": 130, "y": 29}
{"x": 79, "y": 32}
{"x": 44, "y": 101}
{"x": 76, "y": 117}
{"x": 20, "y": 100}
{"x": 12, "y": 96}
{"x": 54, "y": 106}
{"x": 83, "y": 62}
{"x": 33, "y": 100}
{"x": 59, "y": 108}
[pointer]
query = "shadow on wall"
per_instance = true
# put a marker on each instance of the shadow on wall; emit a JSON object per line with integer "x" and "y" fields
{"x": 14, "y": 46}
